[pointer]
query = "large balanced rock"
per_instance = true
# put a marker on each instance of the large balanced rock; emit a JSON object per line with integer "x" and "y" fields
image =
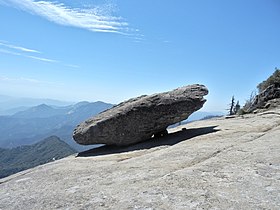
{"x": 138, "y": 119}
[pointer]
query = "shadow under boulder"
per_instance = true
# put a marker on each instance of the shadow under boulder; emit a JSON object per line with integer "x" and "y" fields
{"x": 167, "y": 140}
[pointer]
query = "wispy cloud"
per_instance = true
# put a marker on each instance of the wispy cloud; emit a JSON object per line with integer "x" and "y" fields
{"x": 23, "y": 49}
{"x": 9, "y": 52}
{"x": 10, "y": 49}
{"x": 42, "y": 59}
{"x": 23, "y": 80}
{"x": 97, "y": 19}
{"x": 72, "y": 66}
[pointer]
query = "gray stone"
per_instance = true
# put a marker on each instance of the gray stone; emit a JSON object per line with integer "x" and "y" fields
{"x": 138, "y": 119}
{"x": 236, "y": 167}
{"x": 270, "y": 93}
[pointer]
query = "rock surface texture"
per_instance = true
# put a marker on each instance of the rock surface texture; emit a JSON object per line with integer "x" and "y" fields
{"x": 213, "y": 164}
{"x": 266, "y": 97}
{"x": 139, "y": 118}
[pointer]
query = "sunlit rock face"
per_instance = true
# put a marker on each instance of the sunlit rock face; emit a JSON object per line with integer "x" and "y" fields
{"x": 140, "y": 118}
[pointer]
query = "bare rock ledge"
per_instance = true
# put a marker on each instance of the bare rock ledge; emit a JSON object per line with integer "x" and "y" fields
{"x": 213, "y": 164}
{"x": 138, "y": 119}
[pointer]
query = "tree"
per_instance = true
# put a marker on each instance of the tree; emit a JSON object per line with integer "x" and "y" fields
{"x": 236, "y": 108}
{"x": 252, "y": 103}
{"x": 232, "y": 104}
{"x": 249, "y": 102}
{"x": 273, "y": 79}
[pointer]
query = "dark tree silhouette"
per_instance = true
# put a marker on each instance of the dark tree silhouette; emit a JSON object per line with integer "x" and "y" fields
{"x": 232, "y": 104}
{"x": 236, "y": 108}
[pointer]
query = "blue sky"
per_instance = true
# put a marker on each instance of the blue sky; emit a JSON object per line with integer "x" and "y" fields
{"x": 114, "y": 50}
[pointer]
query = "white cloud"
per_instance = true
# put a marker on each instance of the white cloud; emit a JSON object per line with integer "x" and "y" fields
{"x": 97, "y": 19}
{"x": 28, "y": 56}
{"x": 42, "y": 59}
{"x": 23, "y": 49}
{"x": 22, "y": 80}
{"x": 72, "y": 66}
{"x": 9, "y": 52}
{"x": 26, "y": 52}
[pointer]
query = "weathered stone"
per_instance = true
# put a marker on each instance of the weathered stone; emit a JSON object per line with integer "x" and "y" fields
{"x": 138, "y": 119}
{"x": 213, "y": 164}
{"x": 260, "y": 101}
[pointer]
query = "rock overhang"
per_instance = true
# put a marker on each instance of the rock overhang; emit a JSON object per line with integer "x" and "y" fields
{"x": 140, "y": 118}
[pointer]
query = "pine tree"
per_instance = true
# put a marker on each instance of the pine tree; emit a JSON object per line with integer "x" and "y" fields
{"x": 273, "y": 79}
{"x": 232, "y": 105}
{"x": 236, "y": 107}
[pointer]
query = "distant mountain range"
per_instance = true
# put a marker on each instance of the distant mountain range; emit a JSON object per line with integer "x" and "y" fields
{"x": 198, "y": 116}
{"x": 10, "y": 105}
{"x": 39, "y": 122}
{"x": 31, "y": 124}
{"x": 25, "y": 157}
{"x": 201, "y": 115}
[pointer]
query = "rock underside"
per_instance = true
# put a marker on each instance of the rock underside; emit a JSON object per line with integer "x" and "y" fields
{"x": 138, "y": 119}
{"x": 212, "y": 164}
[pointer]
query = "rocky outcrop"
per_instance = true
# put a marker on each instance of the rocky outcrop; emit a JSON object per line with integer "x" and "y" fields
{"x": 263, "y": 99}
{"x": 213, "y": 164}
{"x": 138, "y": 119}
